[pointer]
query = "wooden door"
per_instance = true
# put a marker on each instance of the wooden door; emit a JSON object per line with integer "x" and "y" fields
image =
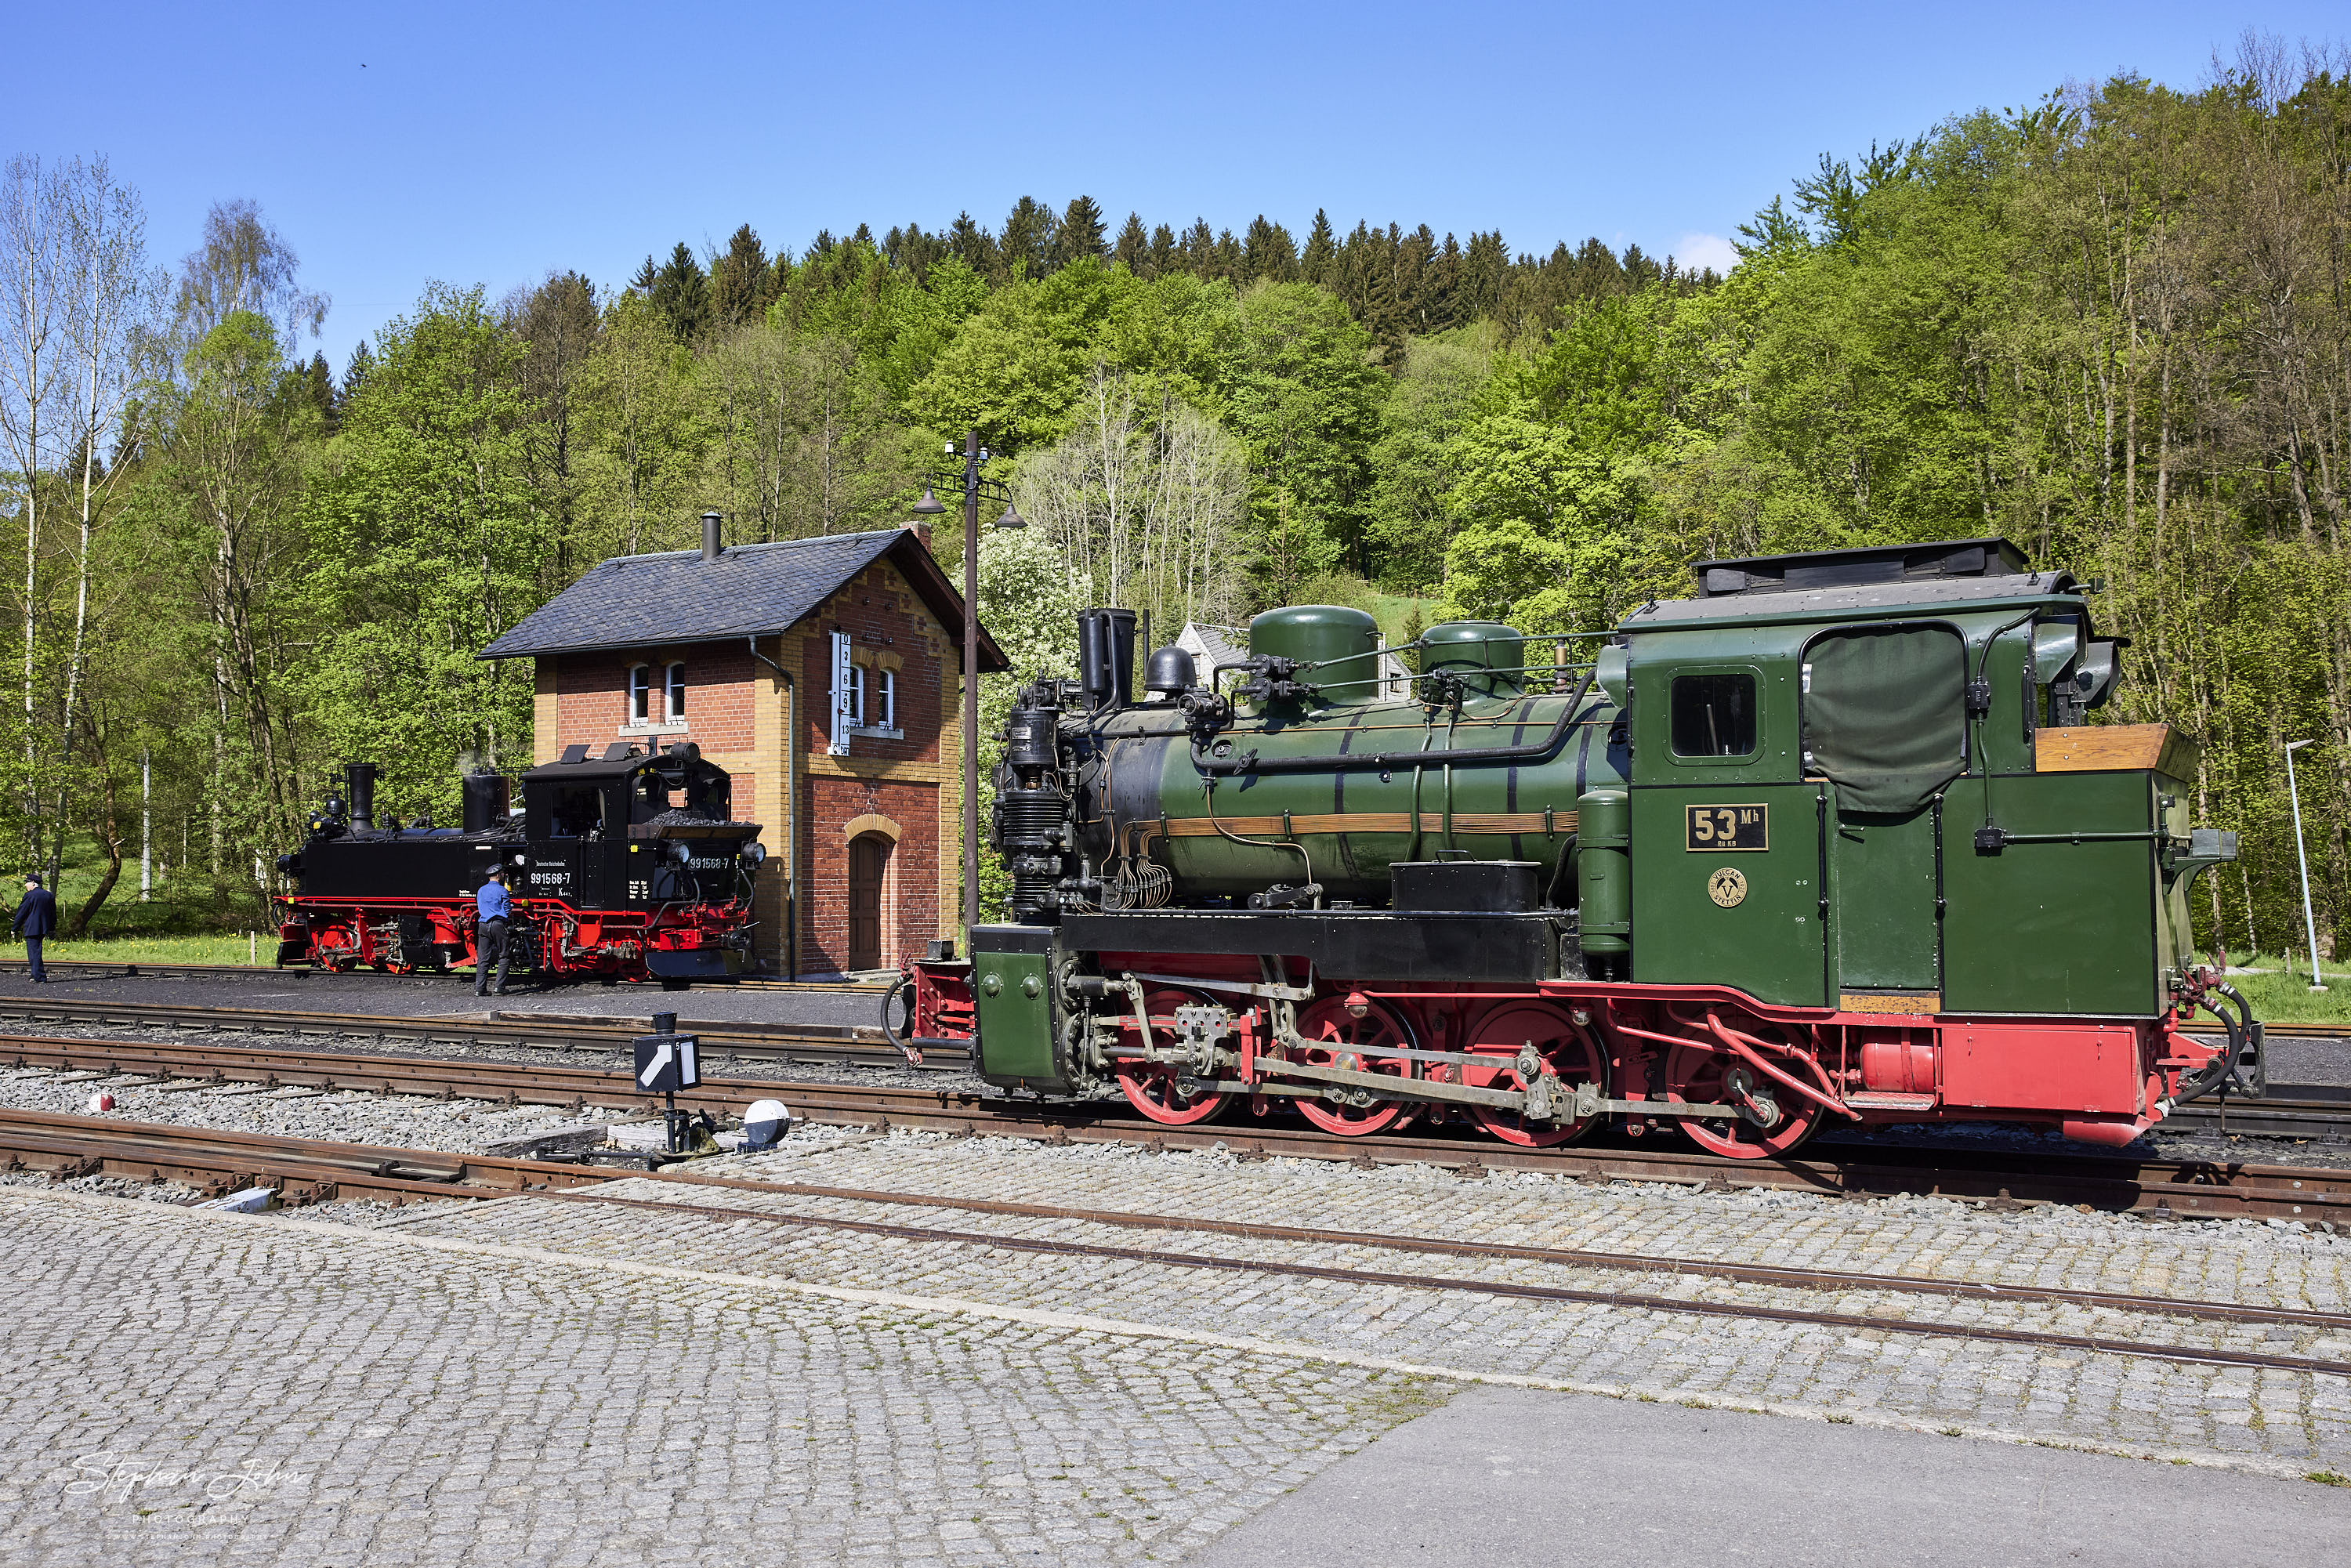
{"x": 868, "y": 857}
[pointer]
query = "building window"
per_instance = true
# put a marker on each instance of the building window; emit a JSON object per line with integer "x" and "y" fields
{"x": 641, "y": 695}
{"x": 857, "y": 695}
{"x": 676, "y": 692}
{"x": 888, "y": 717}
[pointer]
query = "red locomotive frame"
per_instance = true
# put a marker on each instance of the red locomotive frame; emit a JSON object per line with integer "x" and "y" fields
{"x": 1648, "y": 1049}
{"x": 550, "y": 936}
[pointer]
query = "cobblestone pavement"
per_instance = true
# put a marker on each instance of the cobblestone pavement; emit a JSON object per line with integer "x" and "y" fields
{"x": 539, "y": 1380}
{"x": 195, "y": 1388}
{"x": 2278, "y": 1422}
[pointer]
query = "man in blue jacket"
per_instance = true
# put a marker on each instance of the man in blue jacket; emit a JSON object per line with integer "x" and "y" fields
{"x": 493, "y": 906}
{"x": 36, "y": 917}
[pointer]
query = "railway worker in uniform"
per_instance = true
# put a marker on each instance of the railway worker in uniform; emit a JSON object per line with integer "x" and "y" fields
{"x": 36, "y": 917}
{"x": 490, "y": 933}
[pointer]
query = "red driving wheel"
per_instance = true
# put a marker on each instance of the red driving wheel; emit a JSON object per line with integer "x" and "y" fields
{"x": 1502, "y": 1035}
{"x": 1695, "y": 1076}
{"x": 1336, "y": 1037}
{"x": 1158, "y": 1089}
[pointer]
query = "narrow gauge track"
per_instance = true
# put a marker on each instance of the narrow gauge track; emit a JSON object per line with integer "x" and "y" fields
{"x": 2320, "y": 1110}
{"x": 2179, "y": 1188}
{"x": 95, "y": 969}
{"x": 306, "y": 1171}
{"x": 302, "y": 1170}
{"x": 2313, "y": 1111}
{"x": 825, "y": 1044}
{"x": 98, "y": 970}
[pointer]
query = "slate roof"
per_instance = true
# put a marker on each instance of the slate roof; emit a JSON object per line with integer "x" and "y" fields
{"x": 660, "y": 601}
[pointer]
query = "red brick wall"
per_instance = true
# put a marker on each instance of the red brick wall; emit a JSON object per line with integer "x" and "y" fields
{"x": 910, "y": 883}
{"x": 889, "y": 623}
{"x": 883, "y": 616}
{"x": 592, "y": 696}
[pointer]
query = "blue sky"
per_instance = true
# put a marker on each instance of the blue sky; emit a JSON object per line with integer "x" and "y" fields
{"x": 487, "y": 143}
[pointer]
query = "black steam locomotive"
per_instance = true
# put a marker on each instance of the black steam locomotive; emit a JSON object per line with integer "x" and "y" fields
{"x": 629, "y": 866}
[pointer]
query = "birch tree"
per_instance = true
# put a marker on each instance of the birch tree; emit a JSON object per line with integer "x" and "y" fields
{"x": 33, "y": 370}
{"x": 1149, "y": 511}
{"x": 110, "y": 299}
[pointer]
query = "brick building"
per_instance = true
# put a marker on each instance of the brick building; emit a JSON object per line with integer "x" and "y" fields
{"x": 823, "y": 675}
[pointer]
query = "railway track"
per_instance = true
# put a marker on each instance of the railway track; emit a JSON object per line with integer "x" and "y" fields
{"x": 95, "y": 969}
{"x": 2320, "y": 1111}
{"x": 302, "y": 1170}
{"x": 2161, "y": 1189}
{"x": 2316, "y": 1112}
{"x": 792, "y": 1044}
{"x": 308, "y": 1171}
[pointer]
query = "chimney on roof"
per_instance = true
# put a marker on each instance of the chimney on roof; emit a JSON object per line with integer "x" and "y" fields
{"x": 921, "y": 531}
{"x": 710, "y": 546}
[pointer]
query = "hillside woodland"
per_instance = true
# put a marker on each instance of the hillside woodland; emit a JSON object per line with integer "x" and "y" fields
{"x": 2115, "y": 327}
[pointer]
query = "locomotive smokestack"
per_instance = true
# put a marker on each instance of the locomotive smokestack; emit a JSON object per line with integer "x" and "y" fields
{"x": 710, "y": 547}
{"x": 359, "y": 788}
{"x": 1106, "y": 657}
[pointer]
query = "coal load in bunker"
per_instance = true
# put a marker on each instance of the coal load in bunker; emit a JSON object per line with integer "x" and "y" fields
{"x": 1836, "y": 841}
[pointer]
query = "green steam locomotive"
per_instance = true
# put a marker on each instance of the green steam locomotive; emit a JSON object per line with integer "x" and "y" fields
{"x": 1833, "y": 840}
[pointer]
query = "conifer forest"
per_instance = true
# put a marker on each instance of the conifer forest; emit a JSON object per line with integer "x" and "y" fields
{"x": 2114, "y": 327}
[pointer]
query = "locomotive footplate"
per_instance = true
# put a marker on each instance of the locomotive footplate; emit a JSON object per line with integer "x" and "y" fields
{"x": 1419, "y": 947}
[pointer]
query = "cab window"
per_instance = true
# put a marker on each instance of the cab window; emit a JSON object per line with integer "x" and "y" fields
{"x": 1714, "y": 716}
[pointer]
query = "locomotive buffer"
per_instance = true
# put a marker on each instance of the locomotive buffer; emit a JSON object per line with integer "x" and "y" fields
{"x": 668, "y": 1062}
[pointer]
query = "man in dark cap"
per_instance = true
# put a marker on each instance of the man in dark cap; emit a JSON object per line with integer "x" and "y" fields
{"x": 36, "y": 917}
{"x": 493, "y": 906}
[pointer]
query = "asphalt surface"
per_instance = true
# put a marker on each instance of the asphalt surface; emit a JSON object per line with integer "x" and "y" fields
{"x": 1506, "y": 1477}
{"x": 449, "y": 996}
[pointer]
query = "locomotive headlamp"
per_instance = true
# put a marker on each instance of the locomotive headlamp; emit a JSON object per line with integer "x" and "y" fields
{"x": 681, "y": 851}
{"x": 753, "y": 855}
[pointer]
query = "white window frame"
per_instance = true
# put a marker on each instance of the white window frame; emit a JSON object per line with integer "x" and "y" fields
{"x": 888, "y": 715}
{"x": 844, "y": 693}
{"x": 641, "y": 694}
{"x": 674, "y": 692}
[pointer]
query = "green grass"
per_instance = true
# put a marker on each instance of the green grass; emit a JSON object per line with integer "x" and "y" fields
{"x": 182, "y": 923}
{"x": 2283, "y": 995}
{"x": 1391, "y": 609}
{"x": 218, "y": 947}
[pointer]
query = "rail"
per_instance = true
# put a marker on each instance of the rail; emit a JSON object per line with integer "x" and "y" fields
{"x": 308, "y": 1171}
{"x": 2158, "y": 1187}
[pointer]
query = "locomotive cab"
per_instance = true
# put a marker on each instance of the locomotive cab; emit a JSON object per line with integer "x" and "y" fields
{"x": 1833, "y": 840}
{"x": 633, "y": 830}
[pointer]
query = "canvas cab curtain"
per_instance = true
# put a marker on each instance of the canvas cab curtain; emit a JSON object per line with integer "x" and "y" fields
{"x": 1886, "y": 715}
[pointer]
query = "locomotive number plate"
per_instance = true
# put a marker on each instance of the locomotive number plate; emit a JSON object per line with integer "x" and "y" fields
{"x": 1713, "y": 828}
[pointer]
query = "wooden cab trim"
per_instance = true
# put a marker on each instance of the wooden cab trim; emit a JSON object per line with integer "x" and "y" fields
{"x": 2118, "y": 747}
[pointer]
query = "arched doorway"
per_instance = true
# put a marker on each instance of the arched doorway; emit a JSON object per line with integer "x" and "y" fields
{"x": 869, "y": 862}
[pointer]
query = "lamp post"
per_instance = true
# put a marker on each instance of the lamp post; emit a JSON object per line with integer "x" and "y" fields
{"x": 2309, "y": 921}
{"x": 973, "y": 486}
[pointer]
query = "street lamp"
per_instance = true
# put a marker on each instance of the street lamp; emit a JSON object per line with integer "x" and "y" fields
{"x": 967, "y": 480}
{"x": 2309, "y": 921}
